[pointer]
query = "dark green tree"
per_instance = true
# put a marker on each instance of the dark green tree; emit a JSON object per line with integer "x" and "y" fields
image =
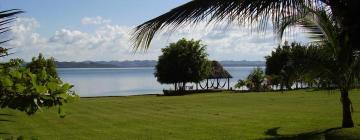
{"x": 37, "y": 64}
{"x": 240, "y": 84}
{"x": 182, "y": 62}
{"x": 255, "y": 80}
{"x": 277, "y": 66}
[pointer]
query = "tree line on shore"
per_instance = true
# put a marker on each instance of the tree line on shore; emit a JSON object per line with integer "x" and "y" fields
{"x": 294, "y": 66}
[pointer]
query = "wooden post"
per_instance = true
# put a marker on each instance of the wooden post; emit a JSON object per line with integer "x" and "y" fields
{"x": 228, "y": 83}
{"x": 197, "y": 86}
{"x": 207, "y": 84}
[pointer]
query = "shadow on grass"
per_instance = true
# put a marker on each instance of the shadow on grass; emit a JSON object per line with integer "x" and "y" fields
{"x": 4, "y": 120}
{"x": 5, "y": 115}
{"x": 4, "y": 133}
{"x": 313, "y": 135}
{"x": 2, "y": 114}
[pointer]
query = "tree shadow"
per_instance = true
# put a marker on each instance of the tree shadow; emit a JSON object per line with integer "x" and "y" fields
{"x": 313, "y": 135}
{"x": 4, "y": 133}
{"x": 2, "y": 120}
{"x": 5, "y": 120}
{"x": 3, "y": 114}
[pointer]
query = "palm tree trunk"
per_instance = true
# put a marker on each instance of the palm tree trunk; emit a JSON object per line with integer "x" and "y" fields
{"x": 183, "y": 85}
{"x": 346, "y": 105}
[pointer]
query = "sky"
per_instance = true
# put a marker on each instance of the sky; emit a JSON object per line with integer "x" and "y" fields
{"x": 98, "y": 30}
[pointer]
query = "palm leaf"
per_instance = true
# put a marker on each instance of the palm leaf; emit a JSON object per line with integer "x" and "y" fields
{"x": 215, "y": 11}
{"x": 6, "y": 17}
{"x": 319, "y": 25}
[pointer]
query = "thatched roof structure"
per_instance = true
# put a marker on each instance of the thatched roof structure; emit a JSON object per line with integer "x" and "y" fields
{"x": 218, "y": 71}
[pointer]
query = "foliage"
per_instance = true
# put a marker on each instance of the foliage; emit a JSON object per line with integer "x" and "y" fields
{"x": 37, "y": 65}
{"x": 182, "y": 62}
{"x": 255, "y": 80}
{"x": 286, "y": 65}
{"x": 6, "y": 17}
{"x": 240, "y": 83}
{"x": 32, "y": 87}
{"x": 248, "y": 12}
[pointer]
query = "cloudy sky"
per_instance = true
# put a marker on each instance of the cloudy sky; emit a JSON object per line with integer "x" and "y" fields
{"x": 101, "y": 30}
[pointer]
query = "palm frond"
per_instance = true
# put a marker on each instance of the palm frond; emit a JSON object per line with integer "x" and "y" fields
{"x": 10, "y": 13}
{"x": 215, "y": 11}
{"x": 6, "y": 17}
{"x": 318, "y": 23}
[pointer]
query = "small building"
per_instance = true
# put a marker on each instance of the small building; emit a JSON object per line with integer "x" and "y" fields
{"x": 215, "y": 78}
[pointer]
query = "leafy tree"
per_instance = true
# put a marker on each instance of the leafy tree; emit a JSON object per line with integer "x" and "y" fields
{"x": 277, "y": 65}
{"x": 37, "y": 64}
{"x": 240, "y": 84}
{"x": 29, "y": 90}
{"x": 182, "y": 62}
{"x": 255, "y": 80}
{"x": 29, "y": 87}
{"x": 286, "y": 65}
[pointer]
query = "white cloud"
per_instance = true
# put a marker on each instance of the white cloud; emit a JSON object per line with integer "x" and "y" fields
{"x": 112, "y": 42}
{"x": 94, "y": 20}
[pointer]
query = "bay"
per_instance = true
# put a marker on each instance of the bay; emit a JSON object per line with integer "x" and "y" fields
{"x": 89, "y": 82}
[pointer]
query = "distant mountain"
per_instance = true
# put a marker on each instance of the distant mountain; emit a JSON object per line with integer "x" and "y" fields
{"x": 83, "y": 65}
{"x": 135, "y": 63}
{"x": 144, "y": 63}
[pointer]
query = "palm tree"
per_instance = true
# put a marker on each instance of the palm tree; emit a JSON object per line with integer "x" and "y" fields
{"x": 337, "y": 60}
{"x": 261, "y": 11}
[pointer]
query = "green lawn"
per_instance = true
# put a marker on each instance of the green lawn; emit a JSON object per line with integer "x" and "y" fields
{"x": 302, "y": 114}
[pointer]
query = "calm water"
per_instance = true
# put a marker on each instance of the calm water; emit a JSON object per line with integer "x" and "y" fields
{"x": 124, "y": 81}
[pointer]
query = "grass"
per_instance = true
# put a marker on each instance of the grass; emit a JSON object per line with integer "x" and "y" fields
{"x": 301, "y": 114}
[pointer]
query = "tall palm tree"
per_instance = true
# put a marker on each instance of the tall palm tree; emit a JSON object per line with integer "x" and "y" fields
{"x": 259, "y": 11}
{"x": 337, "y": 60}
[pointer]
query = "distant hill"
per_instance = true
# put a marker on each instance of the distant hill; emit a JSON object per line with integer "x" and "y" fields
{"x": 135, "y": 63}
{"x": 83, "y": 65}
{"x": 144, "y": 63}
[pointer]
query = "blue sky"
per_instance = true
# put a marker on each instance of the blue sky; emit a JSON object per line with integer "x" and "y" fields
{"x": 79, "y": 30}
{"x": 56, "y": 14}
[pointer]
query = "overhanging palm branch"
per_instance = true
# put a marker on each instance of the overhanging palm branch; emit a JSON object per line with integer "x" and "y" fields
{"x": 231, "y": 11}
{"x": 336, "y": 60}
{"x": 6, "y": 17}
{"x": 320, "y": 25}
